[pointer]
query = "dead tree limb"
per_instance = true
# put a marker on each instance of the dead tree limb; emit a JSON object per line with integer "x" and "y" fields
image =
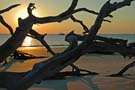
{"x": 17, "y": 38}
{"x": 39, "y": 37}
{"x": 73, "y": 43}
{"x": 55, "y": 64}
{"x": 6, "y": 78}
{"x": 85, "y": 28}
{"x": 60, "y": 61}
{"x": 89, "y": 11}
{"x": 26, "y": 24}
{"x": 36, "y": 35}
{"x": 123, "y": 70}
{"x": 3, "y": 21}
{"x": 34, "y": 20}
{"x": 6, "y": 25}
{"x": 9, "y": 8}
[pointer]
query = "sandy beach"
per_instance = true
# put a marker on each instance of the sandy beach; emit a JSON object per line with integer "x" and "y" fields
{"x": 102, "y": 64}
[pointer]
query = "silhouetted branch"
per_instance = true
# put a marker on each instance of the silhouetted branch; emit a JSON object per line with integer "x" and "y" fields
{"x": 85, "y": 28}
{"x": 89, "y": 11}
{"x": 73, "y": 43}
{"x": 18, "y": 37}
{"x": 9, "y": 8}
{"x": 53, "y": 65}
{"x": 30, "y": 9}
{"x": 63, "y": 16}
{"x": 123, "y": 70}
{"x": 6, "y": 25}
{"x": 40, "y": 37}
{"x": 26, "y": 24}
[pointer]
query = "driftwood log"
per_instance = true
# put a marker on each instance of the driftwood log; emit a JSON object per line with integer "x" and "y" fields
{"x": 106, "y": 45}
{"x": 9, "y": 8}
{"x": 17, "y": 38}
{"x": 35, "y": 20}
{"x": 24, "y": 27}
{"x": 123, "y": 70}
{"x": 56, "y": 63}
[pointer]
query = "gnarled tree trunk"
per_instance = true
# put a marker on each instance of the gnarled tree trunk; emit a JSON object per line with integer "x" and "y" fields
{"x": 55, "y": 64}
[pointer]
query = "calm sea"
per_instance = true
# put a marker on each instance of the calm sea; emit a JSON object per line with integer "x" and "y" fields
{"x": 58, "y": 40}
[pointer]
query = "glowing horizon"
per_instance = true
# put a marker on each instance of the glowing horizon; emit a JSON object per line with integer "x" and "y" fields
{"x": 122, "y": 22}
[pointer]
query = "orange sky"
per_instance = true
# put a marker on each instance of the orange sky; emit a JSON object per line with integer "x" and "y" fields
{"x": 123, "y": 21}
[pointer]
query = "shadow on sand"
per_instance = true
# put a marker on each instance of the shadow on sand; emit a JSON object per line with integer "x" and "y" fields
{"x": 68, "y": 83}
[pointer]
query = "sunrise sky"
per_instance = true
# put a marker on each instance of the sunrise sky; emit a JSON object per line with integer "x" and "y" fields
{"x": 122, "y": 23}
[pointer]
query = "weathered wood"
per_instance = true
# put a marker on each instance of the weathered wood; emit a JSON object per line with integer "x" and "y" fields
{"x": 24, "y": 56}
{"x": 39, "y": 37}
{"x": 9, "y": 8}
{"x": 123, "y": 70}
{"x": 34, "y": 20}
{"x": 89, "y": 11}
{"x": 112, "y": 40}
{"x": 102, "y": 39}
{"x": 6, "y": 25}
{"x": 8, "y": 78}
{"x": 60, "y": 61}
{"x": 55, "y": 64}
{"x": 82, "y": 24}
{"x": 26, "y": 24}
{"x": 17, "y": 38}
{"x": 104, "y": 45}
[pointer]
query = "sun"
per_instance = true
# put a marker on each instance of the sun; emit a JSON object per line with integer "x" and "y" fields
{"x": 22, "y": 13}
{"x": 27, "y": 41}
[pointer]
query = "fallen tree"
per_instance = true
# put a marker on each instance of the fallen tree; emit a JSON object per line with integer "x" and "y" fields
{"x": 28, "y": 28}
{"x": 56, "y": 63}
{"x": 107, "y": 45}
{"x": 25, "y": 26}
{"x": 123, "y": 70}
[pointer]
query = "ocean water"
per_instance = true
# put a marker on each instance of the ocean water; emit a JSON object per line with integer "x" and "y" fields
{"x": 59, "y": 40}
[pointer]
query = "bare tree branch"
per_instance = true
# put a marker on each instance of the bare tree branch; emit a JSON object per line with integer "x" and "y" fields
{"x": 60, "y": 61}
{"x": 39, "y": 37}
{"x": 26, "y": 24}
{"x": 63, "y": 16}
{"x": 18, "y": 37}
{"x": 89, "y": 11}
{"x": 85, "y": 28}
{"x": 9, "y": 8}
{"x": 53, "y": 65}
{"x": 6, "y": 25}
{"x": 123, "y": 70}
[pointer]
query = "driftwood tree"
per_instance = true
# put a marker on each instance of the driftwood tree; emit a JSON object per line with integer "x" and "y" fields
{"x": 53, "y": 65}
{"x": 123, "y": 70}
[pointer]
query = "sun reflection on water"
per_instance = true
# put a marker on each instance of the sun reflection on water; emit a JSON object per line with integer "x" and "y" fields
{"x": 27, "y": 42}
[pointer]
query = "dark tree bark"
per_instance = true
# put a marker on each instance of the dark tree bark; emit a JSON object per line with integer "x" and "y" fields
{"x": 26, "y": 24}
{"x": 56, "y": 63}
{"x": 9, "y": 8}
{"x": 6, "y": 25}
{"x": 123, "y": 70}
{"x": 39, "y": 37}
{"x": 60, "y": 61}
{"x": 35, "y": 20}
{"x": 3, "y": 21}
{"x": 17, "y": 38}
